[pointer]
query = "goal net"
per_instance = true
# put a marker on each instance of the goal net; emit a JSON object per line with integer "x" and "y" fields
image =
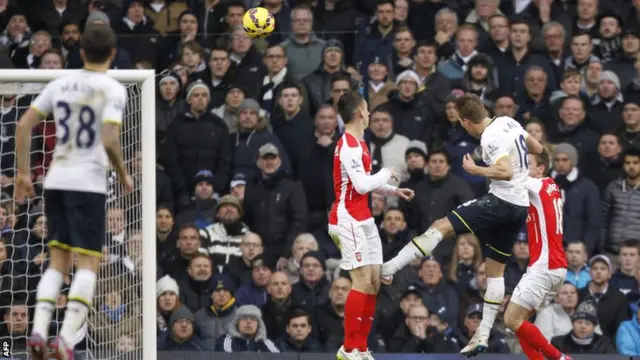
{"x": 122, "y": 300}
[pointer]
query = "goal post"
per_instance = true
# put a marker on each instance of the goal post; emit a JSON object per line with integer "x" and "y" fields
{"x": 141, "y": 109}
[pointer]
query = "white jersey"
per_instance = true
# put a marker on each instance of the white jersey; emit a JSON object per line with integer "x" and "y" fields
{"x": 80, "y": 104}
{"x": 505, "y": 136}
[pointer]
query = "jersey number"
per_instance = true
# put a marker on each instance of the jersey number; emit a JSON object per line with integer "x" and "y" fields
{"x": 557, "y": 206}
{"x": 86, "y": 135}
{"x": 521, "y": 145}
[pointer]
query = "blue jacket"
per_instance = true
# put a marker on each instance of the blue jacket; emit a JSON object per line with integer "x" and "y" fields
{"x": 310, "y": 345}
{"x": 167, "y": 343}
{"x": 249, "y": 294}
{"x": 579, "y": 279}
{"x": 627, "y": 337}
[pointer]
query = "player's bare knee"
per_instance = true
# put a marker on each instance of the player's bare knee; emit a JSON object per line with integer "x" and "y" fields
{"x": 60, "y": 259}
{"x": 443, "y": 225}
{"x": 88, "y": 262}
{"x": 494, "y": 268}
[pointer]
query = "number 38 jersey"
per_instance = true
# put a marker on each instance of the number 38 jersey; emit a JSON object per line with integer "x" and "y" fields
{"x": 544, "y": 225}
{"x": 506, "y": 137}
{"x": 81, "y": 103}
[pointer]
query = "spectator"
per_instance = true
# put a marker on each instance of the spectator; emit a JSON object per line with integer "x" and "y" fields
{"x": 166, "y": 237}
{"x": 466, "y": 44}
{"x": 201, "y": 211}
{"x": 479, "y": 78}
{"x": 17, "y": 33}
{"x": 223, "y": 238}
{"x": 612, "y": 306}
{"x": 278, "y": 305}
{"x": 281, "y": 14}
{"x": 14, "y": 330}
{"x": 380, "y": 33}
{"x": 231, "y": 20}
{"x": 435, "y": 289}
{"x": 436, "y": 85}
{"x": 578, "y": 271}
{"x": 275, "y": 60}
{"x": 475, "y": 292}
{"x": 400, "y": 57}
{"x": 581, "y": 50}
{"x": 213, "y": 320}
{"x": 534, "y": 99}
{"x": 604, "y": 166}
{"x": 620, "y": 205}
{"x": 250, "y": 68}
{"x": 167, "y": 293}
{"x": 116, "y": 313}
{"x": 631, "y": 118}
{"x": 137, "y": 34}
{"x": 629, "y": 259}
{"x": 572, "y": 127}
{"x": 380, "y": 83}
{"x": 555, "y": 319}
{"x": 610, "y": 46}
{"x": 247, "y": 332}
{"x": 229, "y": 111}
{"x": 187, "y": 29}
{"x": 286, "y": 215}
{"x": 255, "y": 291}
{"x": 169, "y": 105}
{"x": 417, "y": 336}
{"x": 303, "y": 48}
{"x": 554, "y": 35}
{"x": 313, "y": 288}
{"x": 582, "y": 216}
{"x": 627, "y": 335}
{"x": 606, "y": 105}
{"x": 473, "y": 316}
{"x": 394, "y": 233}
{"x": 592, "y": 77}
{"x": 329, "y": 317}
{"x": 303, "y": 243}
{"x": 467, "y": 256}
{"x": 319, "y": 81}
{"x": 582, "y": 338}
{"x": 439, "y": 320}
{"x": 175, "y": 265}
{"x": 298, "y": 334}
{"x": 31, "y": 57}
{"x": 385, "y": 145}
{"x": 219, "y": 75}
{"x": 182, "y": 336}
{"x": 517, "y": 264}
{"x": 195, "y": 289}
{"x": 163, "y": 14}
{"x": 238, "y": 186}
{"x": 416, "y": 159}
{"x": 239, "y": 268}
{"x": 186, "y": 152}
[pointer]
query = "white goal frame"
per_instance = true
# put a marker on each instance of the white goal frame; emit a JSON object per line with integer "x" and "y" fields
{"x": 147, "y": 81}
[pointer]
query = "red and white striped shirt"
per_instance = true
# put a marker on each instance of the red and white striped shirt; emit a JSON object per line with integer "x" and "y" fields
{"x": 544, "y": 225}
{"x": 352, "y": 181}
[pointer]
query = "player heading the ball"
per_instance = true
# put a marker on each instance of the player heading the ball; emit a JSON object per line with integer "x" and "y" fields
{"x": 88, "y": 109}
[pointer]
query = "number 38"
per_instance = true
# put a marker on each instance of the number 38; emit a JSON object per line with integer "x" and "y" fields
{"x": 86, "y": 134}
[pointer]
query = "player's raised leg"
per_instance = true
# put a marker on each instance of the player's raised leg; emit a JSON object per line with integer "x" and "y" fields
{"x": 515, "y": 317}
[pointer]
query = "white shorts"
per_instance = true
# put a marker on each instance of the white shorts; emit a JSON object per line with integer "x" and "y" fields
{"x": 538, "y": 288}
{"x": 359, "y": 243}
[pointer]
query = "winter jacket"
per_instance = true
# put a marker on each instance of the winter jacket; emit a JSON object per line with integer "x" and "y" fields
{"x": 308, "y": 297}
{"x": 497, "y": 343}
{"x": 142, "y": 42}
{"x": 222, "y": 241}
{"x": 620, "y": 214}
{"x": 303, "y": 58}
{"x": 613, "y": 309}
{"x": 310, "y": 345}
{"x": 234, "y": 342}
{"x": 250, "y": 294}
{"x": 628, "y": 337}
{"x": 194, "y": 294}
{"x": 554, "y": 321}
{"x": 166, "y": 20}
{"x": 412, "y": 119}
{"x": 213, "y": 322}
{"x": 599, "y": 345}
{"x": 166, "y": 342}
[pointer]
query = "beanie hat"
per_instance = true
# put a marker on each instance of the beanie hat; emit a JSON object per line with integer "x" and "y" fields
{"x": 222, "y": 282}
{"x": 569, "y": 150}
{"x": 166, "y": 283}
{"x": 611, "y": 76}
{"x": 333, "y": 44}
{"x": 98, "y": 16}
{"x": 168, "y": 76}
{"x": 586, "y": 311}
{"x": 249, "y": 311}
{"x": 249, "y": 104}
{"x": 230, "y": 200}
{"x": 416, "y": 146}
{"x": 409, "y": 75}
{"x": 316, "y": 255}
{"x": 181, "y": 313}
{"x": 198, "y": 84}
{"x": 204, "y": 175}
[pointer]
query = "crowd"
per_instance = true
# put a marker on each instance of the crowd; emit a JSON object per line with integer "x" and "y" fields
{"x": 246, "y": 130}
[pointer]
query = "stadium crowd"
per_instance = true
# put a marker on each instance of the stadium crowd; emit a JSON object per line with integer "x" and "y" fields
{"x": 246, "y": 131}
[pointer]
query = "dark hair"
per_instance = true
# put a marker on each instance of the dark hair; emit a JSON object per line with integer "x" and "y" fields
{"x": 296, "y": 313}
{"x": 569, "y": 73}
{"x": 426, "y": 43}
{"x": 198, "y": 255}
{"x": 572, "y": 97}
{"x": 348, "y": 104}
{"x": 632, "y": 151}
{"x": 340, "y": 77}
{"x": 188, "y": 226}
{"x": 521, "y": 21}
{"x": 284, "y": 51}
{"x": 383, "y": 2}
{"x": 193, "y": 46}
{"x": 98, "y": 42}
{"x": 501, "y": 16}
{"x": 440, "y": 151}
{"x": 471, "y": 107}
{"x": 610, "y": 133}
{"x": 580, "y": 33}
{"x": 235, "y": 4}
{"x": 291, "y": 85}
{"x": 631, "y": 243}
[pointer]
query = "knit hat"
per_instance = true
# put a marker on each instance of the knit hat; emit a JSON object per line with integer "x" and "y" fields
{"x": 230, "y": 200}
{"x": 249, "y": 104}
{"x": 222, "y": 282}
{"x": 99, "y": 17}
{"x": 586, "y": 311}
{"x": 198, "y": 84}
{"x": 238, "y": 179}
{"x": 204, "y": 175}
{"x": 611, "y": 76}
{"x": 181, "y": 313}
{"x": 601, "y": 258}
{"x": 166, "y": 283}
{"x": 378, "y": 60}
{"x": 168, "y": 76}
{"x": 408, "y": 75}
{"x": 569, "y": 150}
{"x": 333, "y": 44}
{"x": 416, "y": 146}
{"x": 316, "y": 255}
{"x": 249, "y": 311}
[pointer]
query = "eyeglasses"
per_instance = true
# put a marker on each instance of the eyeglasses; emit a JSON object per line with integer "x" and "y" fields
{"x": 418, "y": 318}
{"x": 251, "y": 245}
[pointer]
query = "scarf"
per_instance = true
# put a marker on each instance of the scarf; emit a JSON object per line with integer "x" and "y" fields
{"x": 565, "y": 181}
{"x": 610, "y": 49}
{"x": 269, "y": 85}
{"x": 582, "y": 342}
{"x": 115, "y": 314}
{"x": 376, "y": 157}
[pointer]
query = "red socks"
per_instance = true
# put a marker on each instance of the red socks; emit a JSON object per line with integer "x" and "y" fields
{"x": 353, "y": 319}
{"x": 367, "y": 320}
{"x": 359, "y": 312}
{"x": 532, "y": 354}
{"x": 531, "y": 335}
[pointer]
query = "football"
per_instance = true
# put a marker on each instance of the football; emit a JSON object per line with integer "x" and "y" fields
{"x": 258, "y": 22}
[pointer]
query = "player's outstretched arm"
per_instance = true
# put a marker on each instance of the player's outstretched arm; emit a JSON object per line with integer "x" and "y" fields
{"x": 534, "y": 145}
{"x": 352, "y": 161}
{"x": 111, "y": 141}
{"x": 501, "y": 170}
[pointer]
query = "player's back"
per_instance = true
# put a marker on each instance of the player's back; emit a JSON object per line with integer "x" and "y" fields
{"x": 349, "y": 205}
{"x": 81, "y": 102}
{"x": 544, "y": 225}
{"x": 505, "y": 136}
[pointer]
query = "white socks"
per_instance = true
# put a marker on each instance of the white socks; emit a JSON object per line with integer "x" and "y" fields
{"x": 46, "y": 299}
{"x": 492, "y": 301}
{"x": 420, "y": 246}
{"x": 80, "y": 299}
